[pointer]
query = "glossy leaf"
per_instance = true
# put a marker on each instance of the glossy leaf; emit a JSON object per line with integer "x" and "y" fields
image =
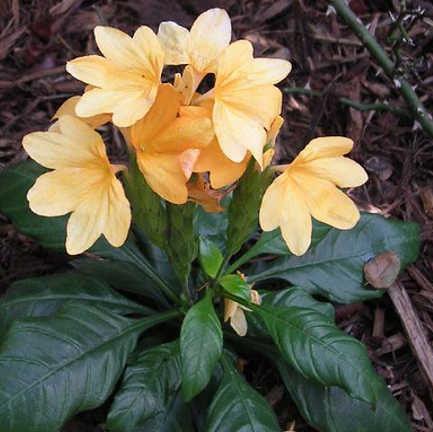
{"x": 213, "y": 226}
{"x": 201, "y": 343}
{"x": 237, "y": 407}
{"x": 334, "y": 267}
{"x": 316, "y": 348}
{"x": 148, "y": 211}
{"x": 43, "y": 296}
{"x": 182, "y": 246}
{"x": 243, "y": 211}
{"x": 54, "y": 367}
{"x": 331, "y": 409}
{"x": 148, "y": 398}
{"x": 210, "y": 257}
{"x": 235, "y": 285}
{"x": 15, "y": 181}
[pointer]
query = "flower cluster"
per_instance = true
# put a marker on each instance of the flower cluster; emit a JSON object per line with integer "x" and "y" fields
{"x": 187, "y": 144}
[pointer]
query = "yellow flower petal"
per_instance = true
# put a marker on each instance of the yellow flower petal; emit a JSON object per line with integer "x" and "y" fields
{"x": 117, "y": 46}
{"x": 76, "y": 146}
{"x": 342, "y": 171}
{"x": 232, "y": 62}
{"x": 238, "y": 322}
{"x": 230, "y": 307}
{"x": 187, "y": 160}
{"x": 296, "y": 225}
{"x": 274, "y": 130}
{"x": 163, "y": 172}
{"x": 223, "y": 171}
{"x": 57, "y": 192}
{"x": 325, "y": 147}
{"x": 326, "y": 202}
{"x": 269, "y": 70}
{"x": 271, "y": 207}
{"x": 210, "y": 34}
{"x": 159, "y": 117}
{"x": 175, "y": 41}
{"x": 117, "y": 224}
{"x": 238, "y": 134}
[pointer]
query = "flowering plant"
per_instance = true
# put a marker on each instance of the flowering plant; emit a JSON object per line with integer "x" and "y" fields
{"x": 172, "y": 229}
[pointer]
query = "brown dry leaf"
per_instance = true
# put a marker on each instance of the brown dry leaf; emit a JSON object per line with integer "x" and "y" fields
{"x": 382, "y": 271}
{"x": 7, "y": 42}
{"x": 426, "y": 195}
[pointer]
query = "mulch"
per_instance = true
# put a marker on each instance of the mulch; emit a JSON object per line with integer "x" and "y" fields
{"x": 333, "y": 77}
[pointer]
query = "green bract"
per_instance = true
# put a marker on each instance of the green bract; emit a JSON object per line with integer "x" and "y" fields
{"x": 72, "y": 341}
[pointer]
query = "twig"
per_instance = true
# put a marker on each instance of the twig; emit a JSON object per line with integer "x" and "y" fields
{"x": 415, "y": 331}
{"x": 386, "y": 64}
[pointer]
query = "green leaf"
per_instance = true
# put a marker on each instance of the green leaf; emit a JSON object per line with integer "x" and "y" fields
{"x": 213, "y": 226}
{"x": 182, "y": 246}
{"x": 235, "y": 285}
{"x": 54, "y": 367}
{"x": 316, "y": 348}
{"x": 243, "y": 211}
{"x": 201, "y": 342}
{"x": 148, "y": 210}
{"x": 334, "y": 267}
{"x": 15, "y": 181}
{"x": 238, "y": 407}
{"x": 43, "y": 296}
{"x": 331, "y": 409}
{"x": 210, "y": 257}
{"x": 293, "y": 296}
{"x": 148, "y": 398}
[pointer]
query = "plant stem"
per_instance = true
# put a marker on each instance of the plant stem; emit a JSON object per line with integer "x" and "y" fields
{"x": 360, "y": 106}
{"x": 406, "y": 90}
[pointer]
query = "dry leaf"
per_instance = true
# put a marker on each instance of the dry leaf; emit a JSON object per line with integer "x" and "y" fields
{"x": 382, "y": 271}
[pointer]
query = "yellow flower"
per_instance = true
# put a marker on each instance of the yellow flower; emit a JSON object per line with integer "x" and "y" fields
{"x": 308, "y": 188}
{"x": 200, "y": 47}
{"x": 126, "y": 79}
{"x": 167, "y": 146}
{"x": 235, "y": 313}
{"x": 83, "y": 182}
{"x": 246, "y": 101}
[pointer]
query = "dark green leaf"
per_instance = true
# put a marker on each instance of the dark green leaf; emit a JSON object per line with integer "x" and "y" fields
{"x": 182, "y": 245}
{"x": 201, "y": 342}
{"x": 235, "y": 285}
{"x": 148, "y": 398}
{"x": 43, "y": 296}
{"x": 15, "y": 181}
{"x": 331, "y": 409}
{"x": 54, "y": 367}
{"x": 213, "y": 226}
{"x": 237, "y": 407}
{"x": 243, "y": 210}
{"x": 210, "y": 257}
{"x": 293, "y": 296}
{"x": 148, "y": 210}
{"x": 334, "y": 268}
{"x": 316, "y": 348}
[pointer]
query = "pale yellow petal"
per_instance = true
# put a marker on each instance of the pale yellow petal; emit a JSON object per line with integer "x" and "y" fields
{"x": 119, "y": 215}
{"x": 93, "y": 69}
{"x": 86, "y": 223}
{"x": 325, "y": 147}
{"x": 175, "y": 41}
{"x": 132, "y": 108}
{"x": 230, "y": 307}
{"x": 55, "y": 150}
{"x": 342, "y": 171}
{"x": 274, "y": 130}
{"x": 239, "y": 323}
{"x": 223, "y": 171}
{"x": 269, "y": 70}
{"x": 260, "y": 103}
{"x": 296, "y": 224}
{"x": 150, "y": 52}
{"x": 238, "y": 134}
{"x": 159, "y": 117}
{"x": 271, "y": 206}
{"x": 236, "y": 56}
{"x": 187, "y": 159}
{"x": 326, "y": 202}
{"x": 210, "y": 34}
{"x": 117, "y": 46}
{"x": 184, "y": 133}
{"x": 163, "y": 172}
{"x": 57, "y": 192}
